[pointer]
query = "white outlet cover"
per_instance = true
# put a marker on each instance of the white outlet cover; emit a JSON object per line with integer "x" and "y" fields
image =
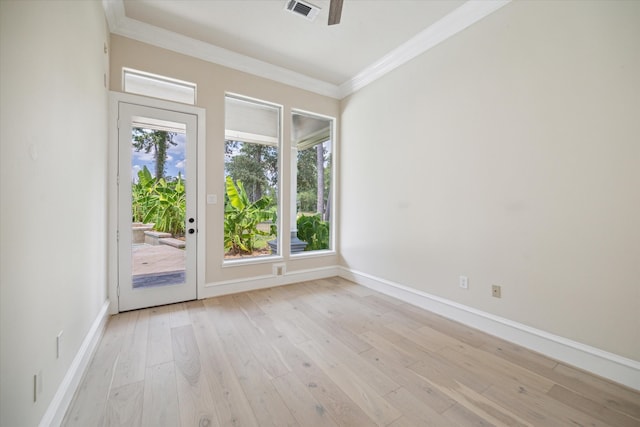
{"x": 464, "y": 282}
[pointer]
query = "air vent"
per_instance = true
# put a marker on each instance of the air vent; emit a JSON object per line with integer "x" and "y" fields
{"x": 302, "y": 8}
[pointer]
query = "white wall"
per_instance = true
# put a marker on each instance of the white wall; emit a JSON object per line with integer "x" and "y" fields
{"x": 213, "y": 82}
{"x": 509, "y": 153}
{"x": 53, "y": 118}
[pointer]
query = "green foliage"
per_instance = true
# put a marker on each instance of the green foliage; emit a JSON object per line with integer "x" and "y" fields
{"x": 160, "y": 202}
{"x": 256, "y": 165}
{"x": 158, "y": 141}
{"x": 307, "y": 178}
{"x": 313, "y": 230}
{"x": 241, "y": 218}
{"x": 142, "y": 195}
{"x": 307, "y": 201}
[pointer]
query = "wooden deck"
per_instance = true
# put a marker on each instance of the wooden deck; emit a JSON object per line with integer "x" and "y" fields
{"x": 328, "y": 353}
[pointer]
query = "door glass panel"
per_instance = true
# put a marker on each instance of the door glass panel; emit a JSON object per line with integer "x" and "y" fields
{"x": 158, "y": 202}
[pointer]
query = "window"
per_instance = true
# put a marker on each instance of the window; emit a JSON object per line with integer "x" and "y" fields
{"x": 156, "y": 86}
{"x": 312, "y": 176}
{"x": 251, "y": 168}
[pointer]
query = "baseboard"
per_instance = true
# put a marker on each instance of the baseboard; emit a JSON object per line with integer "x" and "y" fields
{"x": 599, "y": 362}
{"x": 61, "y": 400}
{"x": 228, "y": 287}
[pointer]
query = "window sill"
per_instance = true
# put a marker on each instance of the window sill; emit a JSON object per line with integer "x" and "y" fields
{"x": 251, "y": 261}
{"x": 313, "y": 254}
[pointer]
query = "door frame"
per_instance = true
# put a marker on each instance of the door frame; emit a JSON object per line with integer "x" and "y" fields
{"x": 115, "y": 98}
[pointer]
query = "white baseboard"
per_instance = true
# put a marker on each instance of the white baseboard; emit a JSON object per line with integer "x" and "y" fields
{"x": 599, "y": 362}
{"x": 228, "y": 287}
{"x": 60, "y": 402}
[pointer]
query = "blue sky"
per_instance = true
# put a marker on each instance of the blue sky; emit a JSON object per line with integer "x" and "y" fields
{"x": 176, "y": 159}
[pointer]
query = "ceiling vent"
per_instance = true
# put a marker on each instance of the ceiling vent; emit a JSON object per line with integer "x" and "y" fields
{"x": 302, "y": 8}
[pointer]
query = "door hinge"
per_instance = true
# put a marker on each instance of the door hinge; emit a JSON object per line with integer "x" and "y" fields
{"x": 118, "y": 236}
{"x": 118, "y": 290}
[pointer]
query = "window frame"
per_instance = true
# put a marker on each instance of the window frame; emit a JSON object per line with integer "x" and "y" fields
{"x": 332, "y": 188}
{"x": 258, "y": 139}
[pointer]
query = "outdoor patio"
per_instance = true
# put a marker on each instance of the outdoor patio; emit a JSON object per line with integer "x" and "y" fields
{"x": 157, "y": 265}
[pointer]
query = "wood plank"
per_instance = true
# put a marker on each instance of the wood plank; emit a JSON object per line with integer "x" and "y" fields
{"x": 359, "y": 389}
{"x": 88, "y": 407}
{"x": 451, "y": 328}
{"x": 179, "y": 315}
{"x": 588, "y": 406}
{"x": 360, "y": 291}
{"x": 418, "y": 386}
{"x": 159, "y": 347}
{"x": 400, "y": 355}
{"x": 466, "y": 389}
{"x": 265, "y": 401}
{"x": 429, "y": 343}
{"x": 160, "y": 407}
{"x": 340, "y": 407}
{"x": 196, "y": 404}
{"x": 248, "y": 306}
{"x": 461, "y": 416}
{"x": 334, "y": 328}
{"x": 328, "y": 352}
{"x": 304, "y": 407}
{"x": 414, "y": 412}
{"x": 530, "y": 360}
{"x": 124, "y": 407}
{"x": 537, "y": 408}
{"x": 494, "y": 369}
{"x": 131, "y": 365}
{"x": 231, "y": 404}
{"x": 253, "y": 339}
{"x": 336, "y": 352}
{"x": 321, "y": 298}
{"x": 614, "y": 396}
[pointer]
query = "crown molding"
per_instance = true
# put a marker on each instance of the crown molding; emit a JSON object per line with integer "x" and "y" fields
{"x": 462, "y": 17}
{"x": 467, "y": 14}
{"x": 121, "y": 25}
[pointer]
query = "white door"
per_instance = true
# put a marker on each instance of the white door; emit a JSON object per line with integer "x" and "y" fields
{"x": 157, "y": 222}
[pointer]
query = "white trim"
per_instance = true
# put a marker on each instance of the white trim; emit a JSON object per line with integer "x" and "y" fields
{"x": 241, "y": 262}
{"x": 469, "y": 13}
{"x": 253, "y": 138}
{"x": 120, "y": 24}
{"x": 61, "y": 400}
{"x": 235, "y": 286}
{"x": 464, "y": 16}
{"x": 599, "y": 362}
{"x": 314, "y": 254}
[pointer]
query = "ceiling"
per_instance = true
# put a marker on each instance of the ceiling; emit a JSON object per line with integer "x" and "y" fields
{"x": 261, "y": 37}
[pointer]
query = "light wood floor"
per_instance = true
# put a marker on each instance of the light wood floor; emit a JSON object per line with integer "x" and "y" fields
{"x": 327, "y": 353}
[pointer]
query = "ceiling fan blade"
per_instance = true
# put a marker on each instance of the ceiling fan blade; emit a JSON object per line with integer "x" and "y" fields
{"x": 335, "y": 11}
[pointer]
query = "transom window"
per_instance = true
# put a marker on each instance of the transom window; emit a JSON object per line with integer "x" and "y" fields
{"x": 156, "y": 86}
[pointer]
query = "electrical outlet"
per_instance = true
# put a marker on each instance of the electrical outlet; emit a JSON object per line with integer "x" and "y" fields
{"x": 464, "y": 282}
{"x": 279, "y": 269}
{"x": 496, "y": 291}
